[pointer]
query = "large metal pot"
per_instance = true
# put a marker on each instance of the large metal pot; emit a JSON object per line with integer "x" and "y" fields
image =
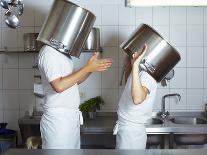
{"x": 160, "y": 58}
{"x": 67, "y": 27}
{"x": 92, "y": 43}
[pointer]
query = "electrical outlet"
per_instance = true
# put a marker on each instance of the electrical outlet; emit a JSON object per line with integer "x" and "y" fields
{"x": 82, "y": 95}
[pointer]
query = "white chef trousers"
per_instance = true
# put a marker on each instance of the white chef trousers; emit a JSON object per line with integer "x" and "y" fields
{"x": 130, "y": 136}
{"x": 60, "y": 128}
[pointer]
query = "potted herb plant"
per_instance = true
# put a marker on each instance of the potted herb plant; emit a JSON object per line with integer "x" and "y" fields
{"x": 90, "y": 106}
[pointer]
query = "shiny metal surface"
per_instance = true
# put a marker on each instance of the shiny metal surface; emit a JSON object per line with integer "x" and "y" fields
{"x": 154, "y": 121}
{"x": 106, "y": 152}
{"x": 163, "y": 114}
{"x": 12, "y": 21}
{"x": 67, "y": 27}
{"x": 161, "y": 56}
{"x": 30, "y": 43}
{"x": 93, "y": 41}
{"x": 188, "y": 120}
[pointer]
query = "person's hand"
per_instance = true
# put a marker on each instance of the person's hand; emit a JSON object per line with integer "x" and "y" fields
{"x": 98, "y": 65}
{"x": 137, "y": 56}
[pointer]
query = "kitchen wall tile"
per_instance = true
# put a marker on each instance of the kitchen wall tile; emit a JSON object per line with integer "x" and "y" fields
{"x": 194, "y": 99}
{"x": 175, "y": 104}
{"x": 161, "y": 16}
{"x": 205, "y": 56}
{"x": 109, "y": 36}
{"x": 11, "y": 99}
{"x": 26, "y": 78}
{"x": 1, "y": 101}
{"x": 178, "y": 81}
{"x": 205, "y": 97}
{"x": 194, "y": 15}
{"x": 78, "y": 63}
{"x": 195, "y": 57}
{"x": 0, "y": 38}
{"x": 122, "y": 56}
{"x": 10, "y": 61}
{"x": 144, "y": 15}
{"x": 125, "y": 32}
{"x": 11, "y": 117}
{"x": 9, "y": 37}
{"x": 158, "y": 99}
{"x": 10, "y": 79}
{"x": 111, "y": 52}
{"x": 26, "y": 100}
{"x": 95, "y": 9}
{"x": 194, "y": 77}
{"x": 183, "y": 55}
{"x": 126, "y": 15}
{"x": 93, "y": 81}
{"x": 37, "y": 29}
{"x": 21, "y": 32}
{"x": 110, "y": 96}
{"x": 109, "y": 15}
{"x": 205, "y": 77}
{"x": 163, "y": 30}
{"x": 1, "y": 116}
{"x": 27, "y": 18}
{"x": 26, "y": 60}
{"x": 1, "y": 79}
{"x": 91, "y": 92}
{"x": 2, "y": 56}
{"x": 178, "y": 35}
{"x": 178, "y": 15}
{"x": 41, "y": 11}
{"x": 205, "y": 35}
{"x": 195, "y": 35}
{"x": 109, "y": 78}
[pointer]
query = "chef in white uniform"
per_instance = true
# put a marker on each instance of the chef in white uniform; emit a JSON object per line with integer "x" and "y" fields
{"x": 135, "y": 105}
{"x": 61, "y": 120}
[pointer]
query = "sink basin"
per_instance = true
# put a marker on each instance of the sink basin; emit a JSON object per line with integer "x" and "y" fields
{"x": 188, "y": 120}
{"x": 189, "y": 139}
{"x": 155, "y": 139}
{"x": 154, "y": 121}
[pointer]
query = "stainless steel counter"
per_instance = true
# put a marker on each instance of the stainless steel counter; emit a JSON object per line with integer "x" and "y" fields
{"x": 105, "y": 124}
{"x": 106, "y": 152}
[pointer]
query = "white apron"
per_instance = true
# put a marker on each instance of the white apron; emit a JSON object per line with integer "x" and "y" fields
{"x": 130, "y": 135}
{"x": 60, "y": 128}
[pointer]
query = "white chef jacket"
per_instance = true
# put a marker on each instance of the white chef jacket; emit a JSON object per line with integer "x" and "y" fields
{"x": 130, "y": 129}
{"x": 127, "y": 110}
{"x": 61, "y": 120}
{"x": 52, "y": 65}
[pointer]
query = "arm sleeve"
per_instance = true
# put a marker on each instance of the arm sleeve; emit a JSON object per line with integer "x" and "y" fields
{"x": 148, "y": 81}
{"x": 51, "y": 67}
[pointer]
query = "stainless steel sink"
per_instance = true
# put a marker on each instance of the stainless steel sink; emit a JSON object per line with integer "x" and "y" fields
{"x": 154, "y": 121}
{"x": 189, "y": 139}
{"x": 155, "y": 139}
{"x": 188, "y": 120}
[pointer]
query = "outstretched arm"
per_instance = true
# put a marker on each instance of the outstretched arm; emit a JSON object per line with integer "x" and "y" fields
{"x": 93, "y": 65}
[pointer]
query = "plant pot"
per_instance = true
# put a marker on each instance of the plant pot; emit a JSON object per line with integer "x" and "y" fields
{"x": 92, "y": 115}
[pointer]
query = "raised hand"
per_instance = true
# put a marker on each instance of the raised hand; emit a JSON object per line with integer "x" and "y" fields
{"x": 95, "y": 64}
{"x": 137, "y": 56}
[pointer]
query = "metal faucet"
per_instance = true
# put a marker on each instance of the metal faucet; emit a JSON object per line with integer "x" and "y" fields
{"x": 164, "y": 113}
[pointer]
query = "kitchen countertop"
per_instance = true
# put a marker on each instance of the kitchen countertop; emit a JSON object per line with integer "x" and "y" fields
{"x": 105, "y": 124}
{"x": 107, "y": 152}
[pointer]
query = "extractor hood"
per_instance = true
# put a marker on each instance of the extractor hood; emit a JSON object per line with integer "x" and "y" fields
{"x": 141, "y": 3}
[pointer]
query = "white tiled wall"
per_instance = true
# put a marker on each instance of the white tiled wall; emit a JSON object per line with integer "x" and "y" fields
{"x": 185, "y": 28}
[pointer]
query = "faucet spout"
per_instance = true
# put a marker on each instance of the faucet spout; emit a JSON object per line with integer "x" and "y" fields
{"x": 163, "y": 113}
